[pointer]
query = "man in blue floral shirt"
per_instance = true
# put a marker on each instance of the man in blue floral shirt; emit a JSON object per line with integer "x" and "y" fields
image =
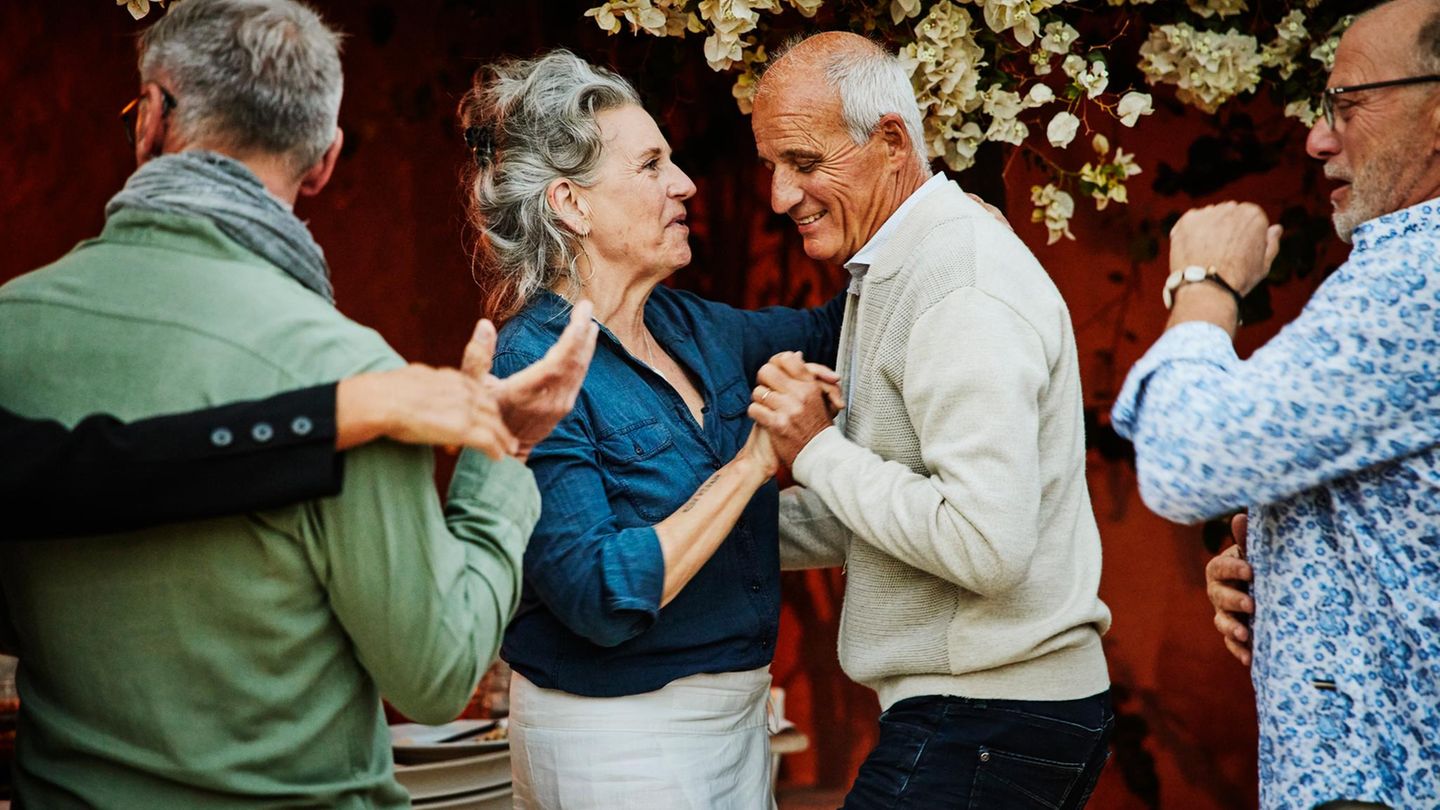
{"x": 1330, "y": 434}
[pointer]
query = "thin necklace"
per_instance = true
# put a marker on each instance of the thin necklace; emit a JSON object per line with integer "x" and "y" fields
{"x": 650, "y": 356}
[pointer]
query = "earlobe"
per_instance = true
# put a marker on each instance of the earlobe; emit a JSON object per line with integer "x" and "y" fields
{"x": 569, "y": 205}
{"x": 151, "y": 125}
{"x": 318, "y": 175}
{"x": 892, "y": 132}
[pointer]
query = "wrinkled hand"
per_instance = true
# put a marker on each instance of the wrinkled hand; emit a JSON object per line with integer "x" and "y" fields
{"x": 794, "y": 401}
{"x": 534, "y": 399}
{"x": 1227, "y": 581}
{"x": 992, "y": 210}
{"x": 418, "y": 404}
{"x": 1234, "y": 238}
{"x": 759, "y": 451}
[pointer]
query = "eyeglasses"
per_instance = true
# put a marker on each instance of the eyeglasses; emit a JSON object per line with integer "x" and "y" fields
{"x": 130, "y": 114}
{"x": 1327, "y": 99}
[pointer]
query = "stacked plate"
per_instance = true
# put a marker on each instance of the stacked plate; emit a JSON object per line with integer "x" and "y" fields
{"x": 457, "y": 766}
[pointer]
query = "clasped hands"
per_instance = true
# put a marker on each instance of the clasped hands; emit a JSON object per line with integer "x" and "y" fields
{"x": 794, "y": 401}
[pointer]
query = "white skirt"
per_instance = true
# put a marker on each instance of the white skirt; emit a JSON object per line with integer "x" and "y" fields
{"x": 699, "y": 743}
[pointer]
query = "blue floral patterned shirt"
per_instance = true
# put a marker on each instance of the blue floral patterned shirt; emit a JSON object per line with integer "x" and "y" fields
{"x": 1330, "y": 433}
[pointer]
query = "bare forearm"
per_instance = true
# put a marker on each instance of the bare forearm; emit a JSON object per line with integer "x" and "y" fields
{"x": 690, "y": 536}
{"x": 361, "y": 405}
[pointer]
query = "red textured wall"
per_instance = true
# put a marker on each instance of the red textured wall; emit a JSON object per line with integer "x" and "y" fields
{"x": 391, "y": 225}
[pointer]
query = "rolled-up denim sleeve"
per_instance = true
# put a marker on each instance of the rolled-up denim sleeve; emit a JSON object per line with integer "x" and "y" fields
{"x": 600, "y": 579}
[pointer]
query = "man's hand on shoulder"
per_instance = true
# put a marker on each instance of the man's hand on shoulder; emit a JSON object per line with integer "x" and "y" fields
{"x": 795, "y": 401}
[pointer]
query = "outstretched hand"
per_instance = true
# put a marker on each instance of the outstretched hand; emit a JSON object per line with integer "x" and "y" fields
{"x": 534, "y": 399}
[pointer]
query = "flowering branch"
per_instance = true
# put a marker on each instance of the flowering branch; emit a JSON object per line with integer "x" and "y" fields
{"x": 986, "y": 70}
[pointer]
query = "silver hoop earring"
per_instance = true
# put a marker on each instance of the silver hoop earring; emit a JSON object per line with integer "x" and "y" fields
{"x": 575, "y": 257}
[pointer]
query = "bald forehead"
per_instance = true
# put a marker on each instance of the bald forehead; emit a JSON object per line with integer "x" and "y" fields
{"x": 805, "y": 63}
{"x": 1388, "y": 33}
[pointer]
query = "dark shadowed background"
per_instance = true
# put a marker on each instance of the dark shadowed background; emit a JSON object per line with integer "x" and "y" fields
{"x": 392, "y": 226}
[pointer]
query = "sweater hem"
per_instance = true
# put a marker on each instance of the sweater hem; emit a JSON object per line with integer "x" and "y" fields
{"x": 1069, "y": 674}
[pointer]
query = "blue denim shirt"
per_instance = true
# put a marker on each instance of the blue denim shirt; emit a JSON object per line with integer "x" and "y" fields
{"x": 628, "y": 455}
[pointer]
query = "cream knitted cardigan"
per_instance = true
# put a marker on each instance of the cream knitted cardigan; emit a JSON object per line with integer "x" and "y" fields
{"x": 955, "y": 496}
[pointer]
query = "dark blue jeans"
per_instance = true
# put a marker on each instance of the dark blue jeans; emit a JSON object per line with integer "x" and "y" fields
{"x": 951, "y": 753}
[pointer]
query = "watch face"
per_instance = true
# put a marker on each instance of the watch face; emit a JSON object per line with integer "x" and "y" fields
{"x": 1195, "y": 273}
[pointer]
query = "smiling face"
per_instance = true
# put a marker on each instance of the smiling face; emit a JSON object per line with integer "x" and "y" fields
{"x": 1380, "y": 150}
{"x": 636, "y": 210}
{"x": 835, "y": 191}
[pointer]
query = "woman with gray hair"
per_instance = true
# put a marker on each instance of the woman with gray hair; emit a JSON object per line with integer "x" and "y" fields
{"x": 647, "y": 622}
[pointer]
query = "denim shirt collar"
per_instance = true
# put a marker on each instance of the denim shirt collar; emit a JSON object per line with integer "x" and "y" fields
{"x": 1420, "y": 218}
{"x": 551, "y": 311}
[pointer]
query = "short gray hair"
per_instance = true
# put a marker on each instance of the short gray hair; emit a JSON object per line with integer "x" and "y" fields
{"x": 872, "y": 84}
{"x": 1429, "y": 42}
{"x": 531, "y": 122}
{"x": 249, "y": 75}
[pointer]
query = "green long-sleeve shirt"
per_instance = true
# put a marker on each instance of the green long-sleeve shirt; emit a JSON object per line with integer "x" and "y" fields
{"x": 237, "y": 661}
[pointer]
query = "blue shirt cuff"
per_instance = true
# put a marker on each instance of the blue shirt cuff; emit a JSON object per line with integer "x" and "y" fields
{"x": 633, "y": 573}
{"x": 1193, "y": 341}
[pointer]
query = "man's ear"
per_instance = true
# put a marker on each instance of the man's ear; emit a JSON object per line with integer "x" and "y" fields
{"x": 893, "y": 134}
{"x": 567, "y": 201}
{"x": 318, "y": 175}
{"x": 152, "y": 126}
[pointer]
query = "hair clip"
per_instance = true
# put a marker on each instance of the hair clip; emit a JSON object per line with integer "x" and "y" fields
{"x": 481, "y": 140}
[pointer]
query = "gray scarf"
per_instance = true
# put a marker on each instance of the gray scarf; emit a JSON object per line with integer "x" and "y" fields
{"x": 224, "y": 191}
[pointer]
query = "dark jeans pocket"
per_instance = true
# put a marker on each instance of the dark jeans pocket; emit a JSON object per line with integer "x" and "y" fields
{"x": 886, "y": 773}
{"x": 1004, "y": 780}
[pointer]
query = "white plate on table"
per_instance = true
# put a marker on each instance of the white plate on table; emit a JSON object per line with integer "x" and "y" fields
{"x": 413, "y": 742}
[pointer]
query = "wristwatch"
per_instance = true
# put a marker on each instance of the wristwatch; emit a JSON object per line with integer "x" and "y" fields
{"x": 1194, "y": 274}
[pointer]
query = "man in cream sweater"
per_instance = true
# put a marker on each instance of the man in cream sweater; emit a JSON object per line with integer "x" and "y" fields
{"x": 952, "y": 487}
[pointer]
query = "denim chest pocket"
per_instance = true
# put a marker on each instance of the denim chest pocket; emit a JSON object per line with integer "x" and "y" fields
{"x": 732, "y": 403}
{"x": 639, "y": 468}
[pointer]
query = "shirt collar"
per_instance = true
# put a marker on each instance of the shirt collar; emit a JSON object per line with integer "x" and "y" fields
{"x": 1419, "y": 218}
{"x": 860, "y": 262}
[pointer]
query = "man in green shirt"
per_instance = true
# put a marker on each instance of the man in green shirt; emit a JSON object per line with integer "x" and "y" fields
{"x": 237, "y": 661}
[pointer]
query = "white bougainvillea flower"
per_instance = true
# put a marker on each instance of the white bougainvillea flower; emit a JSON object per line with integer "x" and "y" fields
{"x": 1039, "y": 95}
{"x": 903, "y": 10}
{"x": 605, "y": 18}
{"x": 1133, "y": 105}
{"x": 1094, "y": 80}
{"x": 1223, "y": 8}
{"x": 1054, "y": 208}
{"x": 137, "y": 8}
{"x": 1208, "y": 68}
{"x": 1014, "y": 16}
{"x": 1304, "y": 111}
{"x": 1062, "y": 130}
{"x": 1058, "y": 37}
{"x": 1100, "y": 144}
